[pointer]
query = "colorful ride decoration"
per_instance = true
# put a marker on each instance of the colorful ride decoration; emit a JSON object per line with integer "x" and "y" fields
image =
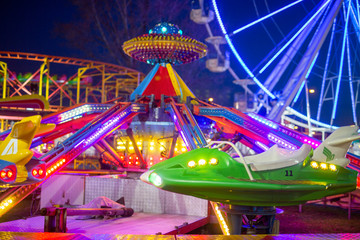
{"x": 25, "y": 101}
{"x": 165, "y": 44}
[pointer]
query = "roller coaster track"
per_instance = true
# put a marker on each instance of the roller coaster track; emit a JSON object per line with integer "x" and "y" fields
{"x": 64, "y": 60}
{"x": 111, "y": 80}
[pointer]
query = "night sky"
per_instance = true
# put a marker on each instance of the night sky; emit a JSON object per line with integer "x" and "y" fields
{"x": 28, "y": 26}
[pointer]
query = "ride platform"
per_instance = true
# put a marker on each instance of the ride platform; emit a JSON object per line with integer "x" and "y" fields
{"x": 68, "y": 236}
{"x": 138, "y": 224}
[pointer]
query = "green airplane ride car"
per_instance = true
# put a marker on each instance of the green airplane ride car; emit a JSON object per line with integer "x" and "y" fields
{"x": 277, "y": 177}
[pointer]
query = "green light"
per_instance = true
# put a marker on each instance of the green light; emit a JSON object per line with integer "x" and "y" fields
{"x": 155, "y": 179}
{"x": 164, "y": 29}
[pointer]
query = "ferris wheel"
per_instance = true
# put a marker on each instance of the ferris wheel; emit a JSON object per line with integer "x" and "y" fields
{"x": 302, "y": 56}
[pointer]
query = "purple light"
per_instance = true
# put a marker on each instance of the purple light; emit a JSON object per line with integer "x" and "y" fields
{"x": 280, "y": 141}
{"x": 261, "y": 145}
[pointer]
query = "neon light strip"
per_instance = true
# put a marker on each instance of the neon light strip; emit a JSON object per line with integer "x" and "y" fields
{"x": 222, "y": 222}
{"x": 341, "y": 63}
{"x": 325, "y": 71}
{"x": 263, "y": 120}
{"x": 302, "y": 116}
{"x": 293, "y": 38}
{"x": 353, "y": 14}
{"x": 218, "y": 17}
{"x": 265, "y": 17}
{"x": 350, "y": 76}
{"x": 237, "y": 54}
{"x": 311, "y": 66}
{"x": 307, "y": 75}
{"x": 299, "y": 91}
{"x": 262, "y": 146}
{"x": 355, "y": 22}
{"x": 280, "y": 141}
{"x": 358, "y": 10}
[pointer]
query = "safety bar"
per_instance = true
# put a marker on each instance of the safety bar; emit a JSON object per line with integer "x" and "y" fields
{"x": 221, "y": 143}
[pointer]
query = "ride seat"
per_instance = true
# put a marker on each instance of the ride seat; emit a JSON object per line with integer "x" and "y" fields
{"x": 277, "y": 157}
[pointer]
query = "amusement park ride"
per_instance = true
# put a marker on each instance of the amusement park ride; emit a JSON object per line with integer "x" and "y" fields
{"x": 18, "y": 166}
{"x": 294, "y": 166}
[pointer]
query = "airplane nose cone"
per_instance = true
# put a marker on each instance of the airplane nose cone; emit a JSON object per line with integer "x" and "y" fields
{"x": 145, "y": 176}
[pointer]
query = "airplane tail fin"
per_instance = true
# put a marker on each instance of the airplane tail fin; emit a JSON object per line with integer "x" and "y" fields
{"x": 15, "y": 148}
{"x": 334, "y": 148}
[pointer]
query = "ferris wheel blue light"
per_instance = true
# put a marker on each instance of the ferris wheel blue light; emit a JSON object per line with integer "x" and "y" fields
{"x": 237, "y": 54}
{"x": 341, "y": 63}
{"x": 293, "y": 38}
{"x": 265, "y": 17}
{"x": 323, "y": 16}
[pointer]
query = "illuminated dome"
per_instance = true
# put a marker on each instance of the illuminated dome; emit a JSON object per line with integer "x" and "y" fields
{"x": 165, "y": 44}
{"x": 165, "y": 28}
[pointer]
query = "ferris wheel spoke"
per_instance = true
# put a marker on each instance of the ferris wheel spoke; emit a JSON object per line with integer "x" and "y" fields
{"x": 355, "y": 22}
{"x": 294, "y": 37}
{"x": 228, "y": 40}
{"x": 321, "y": 99}
{"x": 262, "y": 24}
{"x": 295, "y": 55}
{"x": 281, "y": 67}
{"x": 341, "y": 63}
{"x": 358, "y": 10}
{"x": 350, "y": 77}
{"x": 287, "y": 58}
{"x": 304, "y": 81}
{"x": 265, "y": 17}
{"x": 272, "y": 19}
{"x": 304, "y": 64}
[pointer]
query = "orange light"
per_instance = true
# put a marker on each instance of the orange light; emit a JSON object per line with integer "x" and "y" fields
{"x": 3, "y": 174}
{"x": 41, "y": 172}
{"x": 9, "y": 174}
{"x": 137, "y": 163}
{"x": 34, "y": 172}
